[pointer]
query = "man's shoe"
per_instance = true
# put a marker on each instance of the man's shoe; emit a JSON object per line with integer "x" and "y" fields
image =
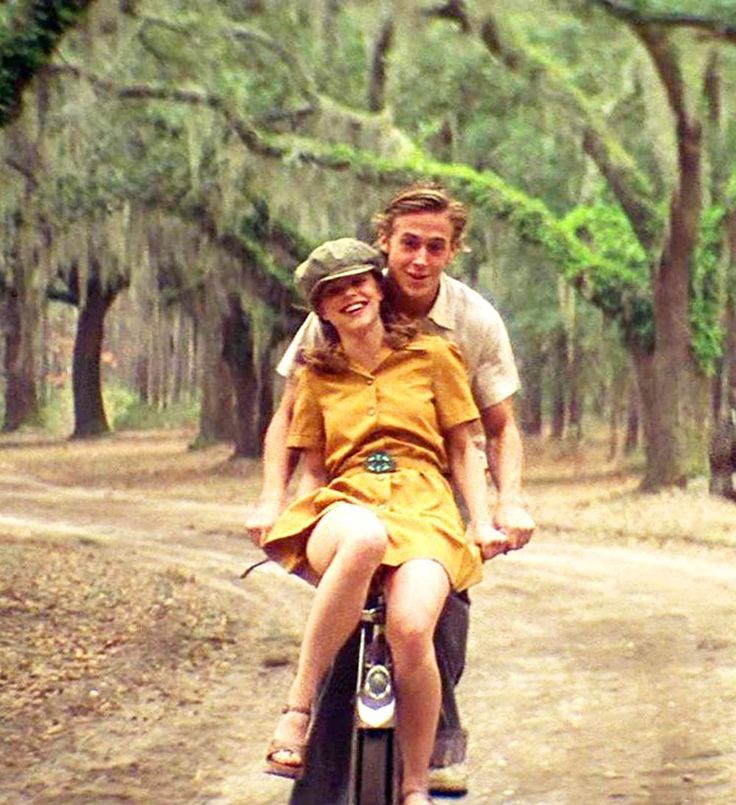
{"x": 452, "y": 779}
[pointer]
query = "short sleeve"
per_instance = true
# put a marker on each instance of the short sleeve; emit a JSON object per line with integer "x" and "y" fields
{"x": 495, "y": 377}
{"x": 453, "y": 396}
{"x": 307, "y": 423}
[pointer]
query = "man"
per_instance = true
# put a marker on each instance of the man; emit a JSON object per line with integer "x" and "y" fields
{"x": 420, "y": 232}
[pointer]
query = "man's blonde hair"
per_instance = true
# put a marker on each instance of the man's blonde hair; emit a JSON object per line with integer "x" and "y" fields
{"x": 423, "y": 197}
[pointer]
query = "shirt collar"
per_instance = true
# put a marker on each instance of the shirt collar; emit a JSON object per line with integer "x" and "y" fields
{"x": 441, "y": 312}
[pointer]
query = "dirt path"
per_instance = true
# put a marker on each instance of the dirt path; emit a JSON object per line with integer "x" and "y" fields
{"x": 137, "y": 668}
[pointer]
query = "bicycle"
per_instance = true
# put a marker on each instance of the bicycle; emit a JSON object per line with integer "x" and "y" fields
{"x": 375, "y": 763}
{"x": 374, "y": 775}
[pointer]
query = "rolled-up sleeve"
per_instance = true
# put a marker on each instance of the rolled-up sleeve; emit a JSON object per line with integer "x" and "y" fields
{"x": 495, "y": 375}
{"x": 453, "y": 397}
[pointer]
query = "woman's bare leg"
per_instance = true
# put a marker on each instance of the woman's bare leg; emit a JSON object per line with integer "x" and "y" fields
{"x": 345, "y": 548}
{"x": 415, "y": 595}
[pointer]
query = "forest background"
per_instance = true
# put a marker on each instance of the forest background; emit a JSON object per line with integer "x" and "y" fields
{"x": 165, "y": 165}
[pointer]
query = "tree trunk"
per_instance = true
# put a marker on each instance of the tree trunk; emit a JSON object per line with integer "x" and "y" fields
{"x": 674, "y": 407}
{"x": 89, "y": 411}
{"x": 531, "y": 400}
{"x": 575, "y": 404}
{"x": 559, "y": 378}
{"x": 21, "y": 397}
{"x": 266, "y": 393}
{"x": 722, "y": 450}
{"x": 184, "y": 359}
{"x": 617, "y": 396}
{"x": 216, "y": 416}
{"x": 722, "y": 455}
{"x": 674, "y": 394}
{"x": 238, "y": 354}
{"x": 631, "y": 441}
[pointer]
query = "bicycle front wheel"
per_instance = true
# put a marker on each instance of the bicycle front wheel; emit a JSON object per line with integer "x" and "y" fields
{"x": 377, "y": 768}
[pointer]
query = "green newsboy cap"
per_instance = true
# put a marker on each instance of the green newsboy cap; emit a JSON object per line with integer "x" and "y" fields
{"x": 343, "y": 257}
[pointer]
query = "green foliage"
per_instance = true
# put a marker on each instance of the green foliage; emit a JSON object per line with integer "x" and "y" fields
{"x": 124, "y": 409}
{"x": 619, "y": 284}
{"x": 341, "y": 66}
{"x": 495, "y": 121}
{"x": 56, "y": 411}
{"x": 260, "y": 256}
{"x": 26, "y": 41}
{"x": 706, "y": 300}
{"x": 132, "y": 414}
{"x": 717, "y": 9}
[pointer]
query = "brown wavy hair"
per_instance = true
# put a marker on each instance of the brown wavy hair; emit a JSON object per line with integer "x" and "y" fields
{"x": 330, "y": 358}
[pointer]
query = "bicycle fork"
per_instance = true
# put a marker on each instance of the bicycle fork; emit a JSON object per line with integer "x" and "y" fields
{"x": 374, "y": 770}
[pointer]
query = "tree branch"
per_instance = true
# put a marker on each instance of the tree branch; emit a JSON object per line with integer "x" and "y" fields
{"x": 632, "y": 190}
{"x": 532, "y": 220}
{"x": 455, "y": 11}
{"x": 24, "y": 171}
{"x": 302, "y": 81}
{"x": 26, "y": 47}
{"x": 666, "y": 64}
{"x": 381, "y": 47}
{"x": 686, "y": 202}
{"x": 635, "y": 16}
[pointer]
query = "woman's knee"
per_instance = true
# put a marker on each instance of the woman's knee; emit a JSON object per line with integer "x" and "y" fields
{"x": 416, "y": 594}
{"x": 411, "y": 639}
{"x": 359, "y": 536}
{"x": 364, "y": 537}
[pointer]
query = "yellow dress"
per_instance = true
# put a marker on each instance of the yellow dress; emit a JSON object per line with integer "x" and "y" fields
{"x": 402, "y": 408}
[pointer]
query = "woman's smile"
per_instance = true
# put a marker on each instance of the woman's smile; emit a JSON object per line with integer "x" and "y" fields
{"x": 351, "y": 301}
{"x": 353, "y": 308}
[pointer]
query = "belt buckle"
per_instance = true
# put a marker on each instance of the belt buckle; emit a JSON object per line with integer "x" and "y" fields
{"x": 379, "y": 461}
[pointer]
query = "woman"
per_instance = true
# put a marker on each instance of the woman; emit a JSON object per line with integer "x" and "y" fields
{"x": 380, "y": 417}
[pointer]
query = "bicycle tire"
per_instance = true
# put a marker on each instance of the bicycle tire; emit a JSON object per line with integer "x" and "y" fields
{"x": 377, "y": 767}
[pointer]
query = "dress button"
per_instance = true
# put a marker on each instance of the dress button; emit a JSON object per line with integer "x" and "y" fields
{"x": 371, "y": 411}
{"x": 369, "y": 381}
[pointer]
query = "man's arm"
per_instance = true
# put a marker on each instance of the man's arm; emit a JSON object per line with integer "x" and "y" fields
{"x": 505, "y": 459}
{"x": 469, "y": 476}
{"x": 279, "y": 463}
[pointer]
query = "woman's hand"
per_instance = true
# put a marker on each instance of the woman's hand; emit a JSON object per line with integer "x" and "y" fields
{"x": 261, "y": 518}
{"x": 490, "y": 540}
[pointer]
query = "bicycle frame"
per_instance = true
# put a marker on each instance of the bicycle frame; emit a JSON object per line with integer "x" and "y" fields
{"x": 374, "y": 772}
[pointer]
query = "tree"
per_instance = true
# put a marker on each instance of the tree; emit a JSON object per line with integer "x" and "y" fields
{"x": 672, "y": 384}
{"x": 27, "y": 41}
{"x": 313, "y": 135}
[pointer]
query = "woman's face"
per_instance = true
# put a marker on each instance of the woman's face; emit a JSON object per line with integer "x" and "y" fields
{"x": 351, "y": 303}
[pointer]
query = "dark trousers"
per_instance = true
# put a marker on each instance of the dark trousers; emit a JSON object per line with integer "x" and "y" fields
{"x": 326, "y": 777}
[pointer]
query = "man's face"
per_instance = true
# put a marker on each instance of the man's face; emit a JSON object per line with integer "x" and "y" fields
{"x": 418, "y": 250}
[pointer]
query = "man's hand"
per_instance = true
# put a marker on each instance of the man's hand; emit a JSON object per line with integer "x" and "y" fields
{"x": 490, "y": 540}
{"x": 515, "y": 522}
{"x": 261, "y": 518}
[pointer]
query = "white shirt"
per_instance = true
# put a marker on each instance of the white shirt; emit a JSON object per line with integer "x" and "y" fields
{"x": 458, "y": 314}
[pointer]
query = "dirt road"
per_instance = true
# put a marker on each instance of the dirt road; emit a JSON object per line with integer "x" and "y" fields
{"x": 137, "y": 668}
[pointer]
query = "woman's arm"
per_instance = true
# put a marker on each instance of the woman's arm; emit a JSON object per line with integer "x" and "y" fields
{"x": 314, "y": 474}
{"x": 279, "y": 463}
{"x": 468, "y": 473}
